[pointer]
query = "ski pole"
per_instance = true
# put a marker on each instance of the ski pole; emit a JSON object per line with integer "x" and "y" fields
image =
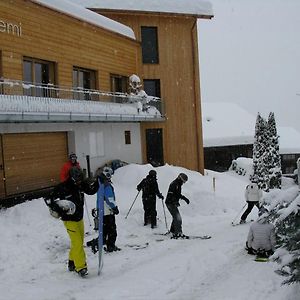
{"x": 238, "y": 214}
{"x": 162, "y": 201}
{"x": 132, "y": 204}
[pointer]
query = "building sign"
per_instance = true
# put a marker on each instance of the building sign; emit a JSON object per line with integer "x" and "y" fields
{"x": 10, "y": 28}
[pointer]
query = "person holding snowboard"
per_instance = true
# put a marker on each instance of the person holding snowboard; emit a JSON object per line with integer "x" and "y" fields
{"x": 253, "y": 196}
{"x": 172, "y": 203}
{"x": 110, "y": 211}
{"x": 150, "y": 190}
{"x": 71, "y": 192}
{"x": 261, "y": 237}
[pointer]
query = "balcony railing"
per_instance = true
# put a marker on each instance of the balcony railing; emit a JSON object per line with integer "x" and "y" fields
{"x": 21, "y": 101}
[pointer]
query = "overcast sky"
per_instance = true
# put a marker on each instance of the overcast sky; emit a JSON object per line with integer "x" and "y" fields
{"x": 250, "y": 55}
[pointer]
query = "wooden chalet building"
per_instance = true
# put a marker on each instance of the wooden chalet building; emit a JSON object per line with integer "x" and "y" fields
{"x": 64, "y": 73}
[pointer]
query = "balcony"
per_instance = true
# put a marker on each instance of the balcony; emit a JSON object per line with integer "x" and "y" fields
{"x": 23, "y": 102}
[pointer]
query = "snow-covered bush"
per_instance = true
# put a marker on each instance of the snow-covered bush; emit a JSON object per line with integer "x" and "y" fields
{"x": 285, "y": 213}
{"x": 242, "y": 166}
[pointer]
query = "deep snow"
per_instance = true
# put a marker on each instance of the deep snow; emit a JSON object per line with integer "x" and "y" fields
{"x": 34, "y": 248}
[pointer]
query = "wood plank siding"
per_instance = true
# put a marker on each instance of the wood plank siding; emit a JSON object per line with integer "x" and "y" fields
{"x": 178, "y": 71}
{"x": 33, "y": 161}
{"x": 53, "y": 36}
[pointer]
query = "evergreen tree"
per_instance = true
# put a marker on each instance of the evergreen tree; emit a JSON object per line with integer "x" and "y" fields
{"x": 287, "y": 219}
{"x": 259, "y": 150}
{"x": 273, "y": 160}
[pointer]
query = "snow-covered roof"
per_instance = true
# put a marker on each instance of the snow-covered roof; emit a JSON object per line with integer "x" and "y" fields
{"x": 227, "y": 124}
{"x": 186, "y": 7}
{"x": 79, "y": 12}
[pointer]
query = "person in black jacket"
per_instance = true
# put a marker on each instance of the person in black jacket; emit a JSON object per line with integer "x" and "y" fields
{"x": 71, "y": 191}
{"x": 150, "y": 190}
{"x": 172, "y": 203}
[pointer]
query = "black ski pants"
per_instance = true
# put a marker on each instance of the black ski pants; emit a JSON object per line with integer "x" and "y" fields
{"x": 109, "y": 230}
{"x": 249, "y": 209}
{"x": 149, "y": 205}
{"x": 176, "y": 226}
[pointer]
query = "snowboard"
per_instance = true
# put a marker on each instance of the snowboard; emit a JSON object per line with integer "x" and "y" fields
{"x": 100, "y": 205}
{"x": 261, "y": 259}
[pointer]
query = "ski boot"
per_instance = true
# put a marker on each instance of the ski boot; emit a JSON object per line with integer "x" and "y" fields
{"x": 71, "y": 266}
{"x": 83, "y": 272}
{"x": 94, "y": 245}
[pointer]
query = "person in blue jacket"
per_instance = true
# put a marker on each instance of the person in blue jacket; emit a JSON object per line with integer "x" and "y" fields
{"x": 106, "y": 193}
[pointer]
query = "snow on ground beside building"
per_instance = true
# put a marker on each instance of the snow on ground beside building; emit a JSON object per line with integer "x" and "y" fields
{"x": 34, "y": 248}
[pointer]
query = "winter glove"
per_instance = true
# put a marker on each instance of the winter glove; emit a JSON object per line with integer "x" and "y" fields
{"x": 160, "y": 196}
{"x": 115, "y": 210}
{"x": 138, "y": 188}
{"x": 186, "y": 200}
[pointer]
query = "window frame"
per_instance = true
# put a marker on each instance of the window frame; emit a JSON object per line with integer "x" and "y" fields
{"x": 150, "y": 47}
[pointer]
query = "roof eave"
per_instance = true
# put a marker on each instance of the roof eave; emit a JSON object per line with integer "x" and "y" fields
{"x": 140, "y": 12}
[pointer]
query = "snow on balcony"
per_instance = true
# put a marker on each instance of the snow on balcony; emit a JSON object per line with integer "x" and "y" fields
{"x": 16, "y": 107}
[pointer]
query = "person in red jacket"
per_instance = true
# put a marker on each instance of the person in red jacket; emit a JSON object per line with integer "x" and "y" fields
{"x": 72, "y": 162}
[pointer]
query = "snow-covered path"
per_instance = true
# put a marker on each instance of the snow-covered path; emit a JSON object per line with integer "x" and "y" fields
{"x": 34, "y": 252}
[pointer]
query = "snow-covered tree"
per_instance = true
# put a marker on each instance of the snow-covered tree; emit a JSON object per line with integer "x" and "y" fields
{"x": 266, "y": 158}
{"x": 285, "y": 213}
{"x": 259, "y": 150}
{"x": 273, "y": 157}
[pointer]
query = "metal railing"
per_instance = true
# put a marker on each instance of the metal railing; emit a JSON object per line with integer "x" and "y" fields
{"x": 26, "y": 89}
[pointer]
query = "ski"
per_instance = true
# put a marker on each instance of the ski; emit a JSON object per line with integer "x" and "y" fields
{"x": 236, "y": 224}
{"x": 187, "y": 237}
{"x": 137, "y": 246}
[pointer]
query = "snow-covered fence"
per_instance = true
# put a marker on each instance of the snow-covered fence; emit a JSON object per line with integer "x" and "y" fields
{"x": 23, "y": 101}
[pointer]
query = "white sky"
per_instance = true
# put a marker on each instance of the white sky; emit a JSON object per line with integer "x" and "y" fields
{"x": 34, "y": 248}
{"x": 250, "y": 55}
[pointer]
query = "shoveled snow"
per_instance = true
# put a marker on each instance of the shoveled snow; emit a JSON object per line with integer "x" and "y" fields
{"x": 34, "y": 248}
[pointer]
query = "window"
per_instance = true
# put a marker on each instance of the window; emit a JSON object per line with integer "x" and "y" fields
{"x": 152, "y": 87}
{"x": 83, "y": 79}
{"x": 127, "y": 134}
{"x": 38, "y": 72}
{"x": 149, "y": 45}
{"x": 119, "y": 84}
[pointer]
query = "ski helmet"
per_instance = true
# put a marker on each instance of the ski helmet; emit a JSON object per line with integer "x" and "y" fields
{"x": 183, "y": 177}
{"x": 72, "y": 156}
{"x": 107, "y": 171}
{"x": 76, "y": 174}
{"x": 152, "y": 173}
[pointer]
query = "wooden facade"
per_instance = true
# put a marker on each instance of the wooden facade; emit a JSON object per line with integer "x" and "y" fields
{"x": 56, "y": 37}
{"x": 31, "y": 161}
{"x": 178, "y": 72}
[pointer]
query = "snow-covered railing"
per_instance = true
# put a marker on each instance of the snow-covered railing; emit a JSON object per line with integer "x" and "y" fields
{"x": 21, "y": 101}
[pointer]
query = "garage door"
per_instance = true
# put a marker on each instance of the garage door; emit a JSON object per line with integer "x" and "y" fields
{"x": 32, "y": 161}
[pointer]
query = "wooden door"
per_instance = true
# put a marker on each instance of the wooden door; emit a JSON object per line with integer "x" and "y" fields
{"x": 33, "y": 160}
{"x": 154, "y": 146}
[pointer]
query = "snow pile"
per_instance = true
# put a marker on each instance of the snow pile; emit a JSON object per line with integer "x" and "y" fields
{"x": 34, "y": 247}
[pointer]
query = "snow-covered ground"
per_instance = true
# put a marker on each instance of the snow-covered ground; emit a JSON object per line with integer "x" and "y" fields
{"x": 34, "y": 248}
